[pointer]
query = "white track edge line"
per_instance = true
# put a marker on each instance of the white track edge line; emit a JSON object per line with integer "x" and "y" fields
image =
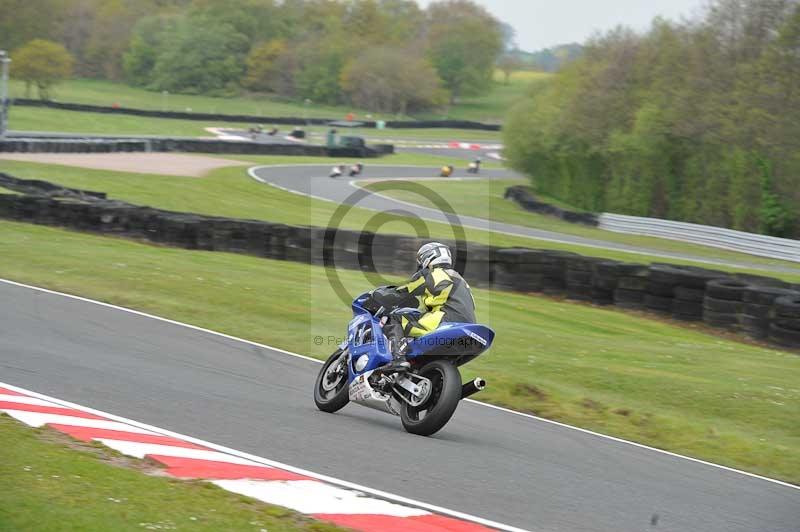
{"x": 304, "y": 357}
{"x": 251, "y": 172}
{"x": 272, "y": 463}
{"x": 658, "y": 254}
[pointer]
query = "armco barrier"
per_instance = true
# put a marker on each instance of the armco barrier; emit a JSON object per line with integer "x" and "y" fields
{"x": 101, "y": 145}
{"x": 216, "y": 117}
{"x": 762, "y": 307}
{"x": 706, "y": 235}
{"x": 761, "y": 245}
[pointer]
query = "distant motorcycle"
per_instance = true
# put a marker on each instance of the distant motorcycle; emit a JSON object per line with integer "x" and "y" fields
{"x": 255, "y": 131}
{"x": 426, "y": 396}
{"x": 356, "y": 169}
{"x": 336, "y": 171}
{"x": 474, "y": 167}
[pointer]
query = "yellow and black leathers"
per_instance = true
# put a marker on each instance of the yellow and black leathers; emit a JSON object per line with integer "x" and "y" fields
{"x": 443, "y": 295}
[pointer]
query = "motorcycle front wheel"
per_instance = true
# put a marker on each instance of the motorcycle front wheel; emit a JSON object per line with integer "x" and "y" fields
{"x": 433, "y": 414}
{"x": 330, "y": 390}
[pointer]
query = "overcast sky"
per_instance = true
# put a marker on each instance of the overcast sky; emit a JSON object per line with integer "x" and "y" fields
{"x": 544, "y": 23}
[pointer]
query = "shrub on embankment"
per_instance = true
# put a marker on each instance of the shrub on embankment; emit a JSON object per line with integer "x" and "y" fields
{"x": 764, "y": 308}
{"x": 694, "y": 121}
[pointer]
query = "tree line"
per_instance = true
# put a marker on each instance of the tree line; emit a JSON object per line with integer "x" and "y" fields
{"x": 548, "y": 59}
{"x": 697, "y": 120}
{"x": 382, "y": 55}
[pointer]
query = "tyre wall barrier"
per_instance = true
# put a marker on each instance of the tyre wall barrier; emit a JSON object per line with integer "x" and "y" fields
{"x": 527, "y": 201}
{"x": 285, "y": 120}
{"x": 763, "y": 308}
{"x": 100, "y": 145}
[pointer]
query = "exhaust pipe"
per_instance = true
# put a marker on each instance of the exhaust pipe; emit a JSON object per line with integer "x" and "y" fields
{"x": 472, "y": 387}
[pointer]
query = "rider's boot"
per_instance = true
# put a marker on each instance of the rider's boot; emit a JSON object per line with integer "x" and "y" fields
{"x": 399, "y": 361}
{"x": 398, "y": 345}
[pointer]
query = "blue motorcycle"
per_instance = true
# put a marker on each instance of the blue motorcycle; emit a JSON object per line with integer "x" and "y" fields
{"x": 426, "y": 396}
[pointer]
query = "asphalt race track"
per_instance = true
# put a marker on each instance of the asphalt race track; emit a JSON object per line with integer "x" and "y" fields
{"x": 497, "y": 465}
{"x": 313, "y": 180}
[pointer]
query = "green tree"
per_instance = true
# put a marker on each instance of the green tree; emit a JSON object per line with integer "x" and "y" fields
{"x": 41, "y": 63}
{"x": 148, "y": 39}
{"x": 698, "y": 121}
{"x": 404, "y": 22}
{"x": 509, "y": 63}
{"x": 263, "y": 67}
{"x": 202, "y": 57}
{"x": 22, "y": 21}
{"x": 393, "y": 81}
{"x": 319, "y": 70}
{"x": 110, "y": 36}
{"x": 464, "y": 42}
{"x": 257, "y": 20}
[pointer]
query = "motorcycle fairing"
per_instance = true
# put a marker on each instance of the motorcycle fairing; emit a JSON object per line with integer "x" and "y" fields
{"x": 365, "y": 338}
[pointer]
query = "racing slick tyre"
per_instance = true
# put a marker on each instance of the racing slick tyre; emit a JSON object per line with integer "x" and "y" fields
{"x": 724, "y": 306}
{"x": 787, "y": 307}
{"x": 658, "y": 303}
{"x": 632, "y": 283}
{"x": 765, "y": 295}
{"x": 331, "y": 392}
{"x": 436, "y": 411}
{"x": 721, "y": 319}
{"x": 754, "y": 327}
{"x": 687, "y": 310}
{"x": 690, "y": 294}
{"x": 729, "y": 289}
{"x": 784, "y": 337}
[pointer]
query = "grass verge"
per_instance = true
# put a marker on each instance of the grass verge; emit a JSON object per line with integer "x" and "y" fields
{"x": 489, "y": 108}
{"x": 494, "y": 106}
{"x": 230, "y": 192}
{"x": 108, "y": 93}
{"x": 58, "y": 483}
{"x": 59, "y": 120}
{"x": 687, "y": 389}
{"x": 471, "y": 196}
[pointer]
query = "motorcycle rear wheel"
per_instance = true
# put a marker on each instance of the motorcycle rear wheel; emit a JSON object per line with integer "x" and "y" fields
{"x": 434, "y": 414}
{"x": 331, "y": 392}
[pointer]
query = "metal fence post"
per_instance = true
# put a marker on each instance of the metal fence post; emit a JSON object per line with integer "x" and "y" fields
{"x": 4, "y": 61}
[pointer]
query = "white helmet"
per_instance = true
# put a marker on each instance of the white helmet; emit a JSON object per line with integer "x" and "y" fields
{"x": 434, "y": 254}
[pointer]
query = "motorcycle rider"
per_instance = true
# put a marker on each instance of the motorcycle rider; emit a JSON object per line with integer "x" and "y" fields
{"x": 475, "y": 166}
{"x": 356, "y": 169}
{"x": 443, "y": 296}
{"x": 336, "y": 171}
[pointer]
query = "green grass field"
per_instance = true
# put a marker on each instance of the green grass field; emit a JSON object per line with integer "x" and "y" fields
{"x": 471, "y": 196}
{"x": 54, "y": 483}
{"x": 230, "y": 192}
{"x": 493, "y": 107}
{"x": 107, "y": 93}
{"x": 682, "y": 388}
{"x": 489, "y": 108}
{"x": 56, "y": 120}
